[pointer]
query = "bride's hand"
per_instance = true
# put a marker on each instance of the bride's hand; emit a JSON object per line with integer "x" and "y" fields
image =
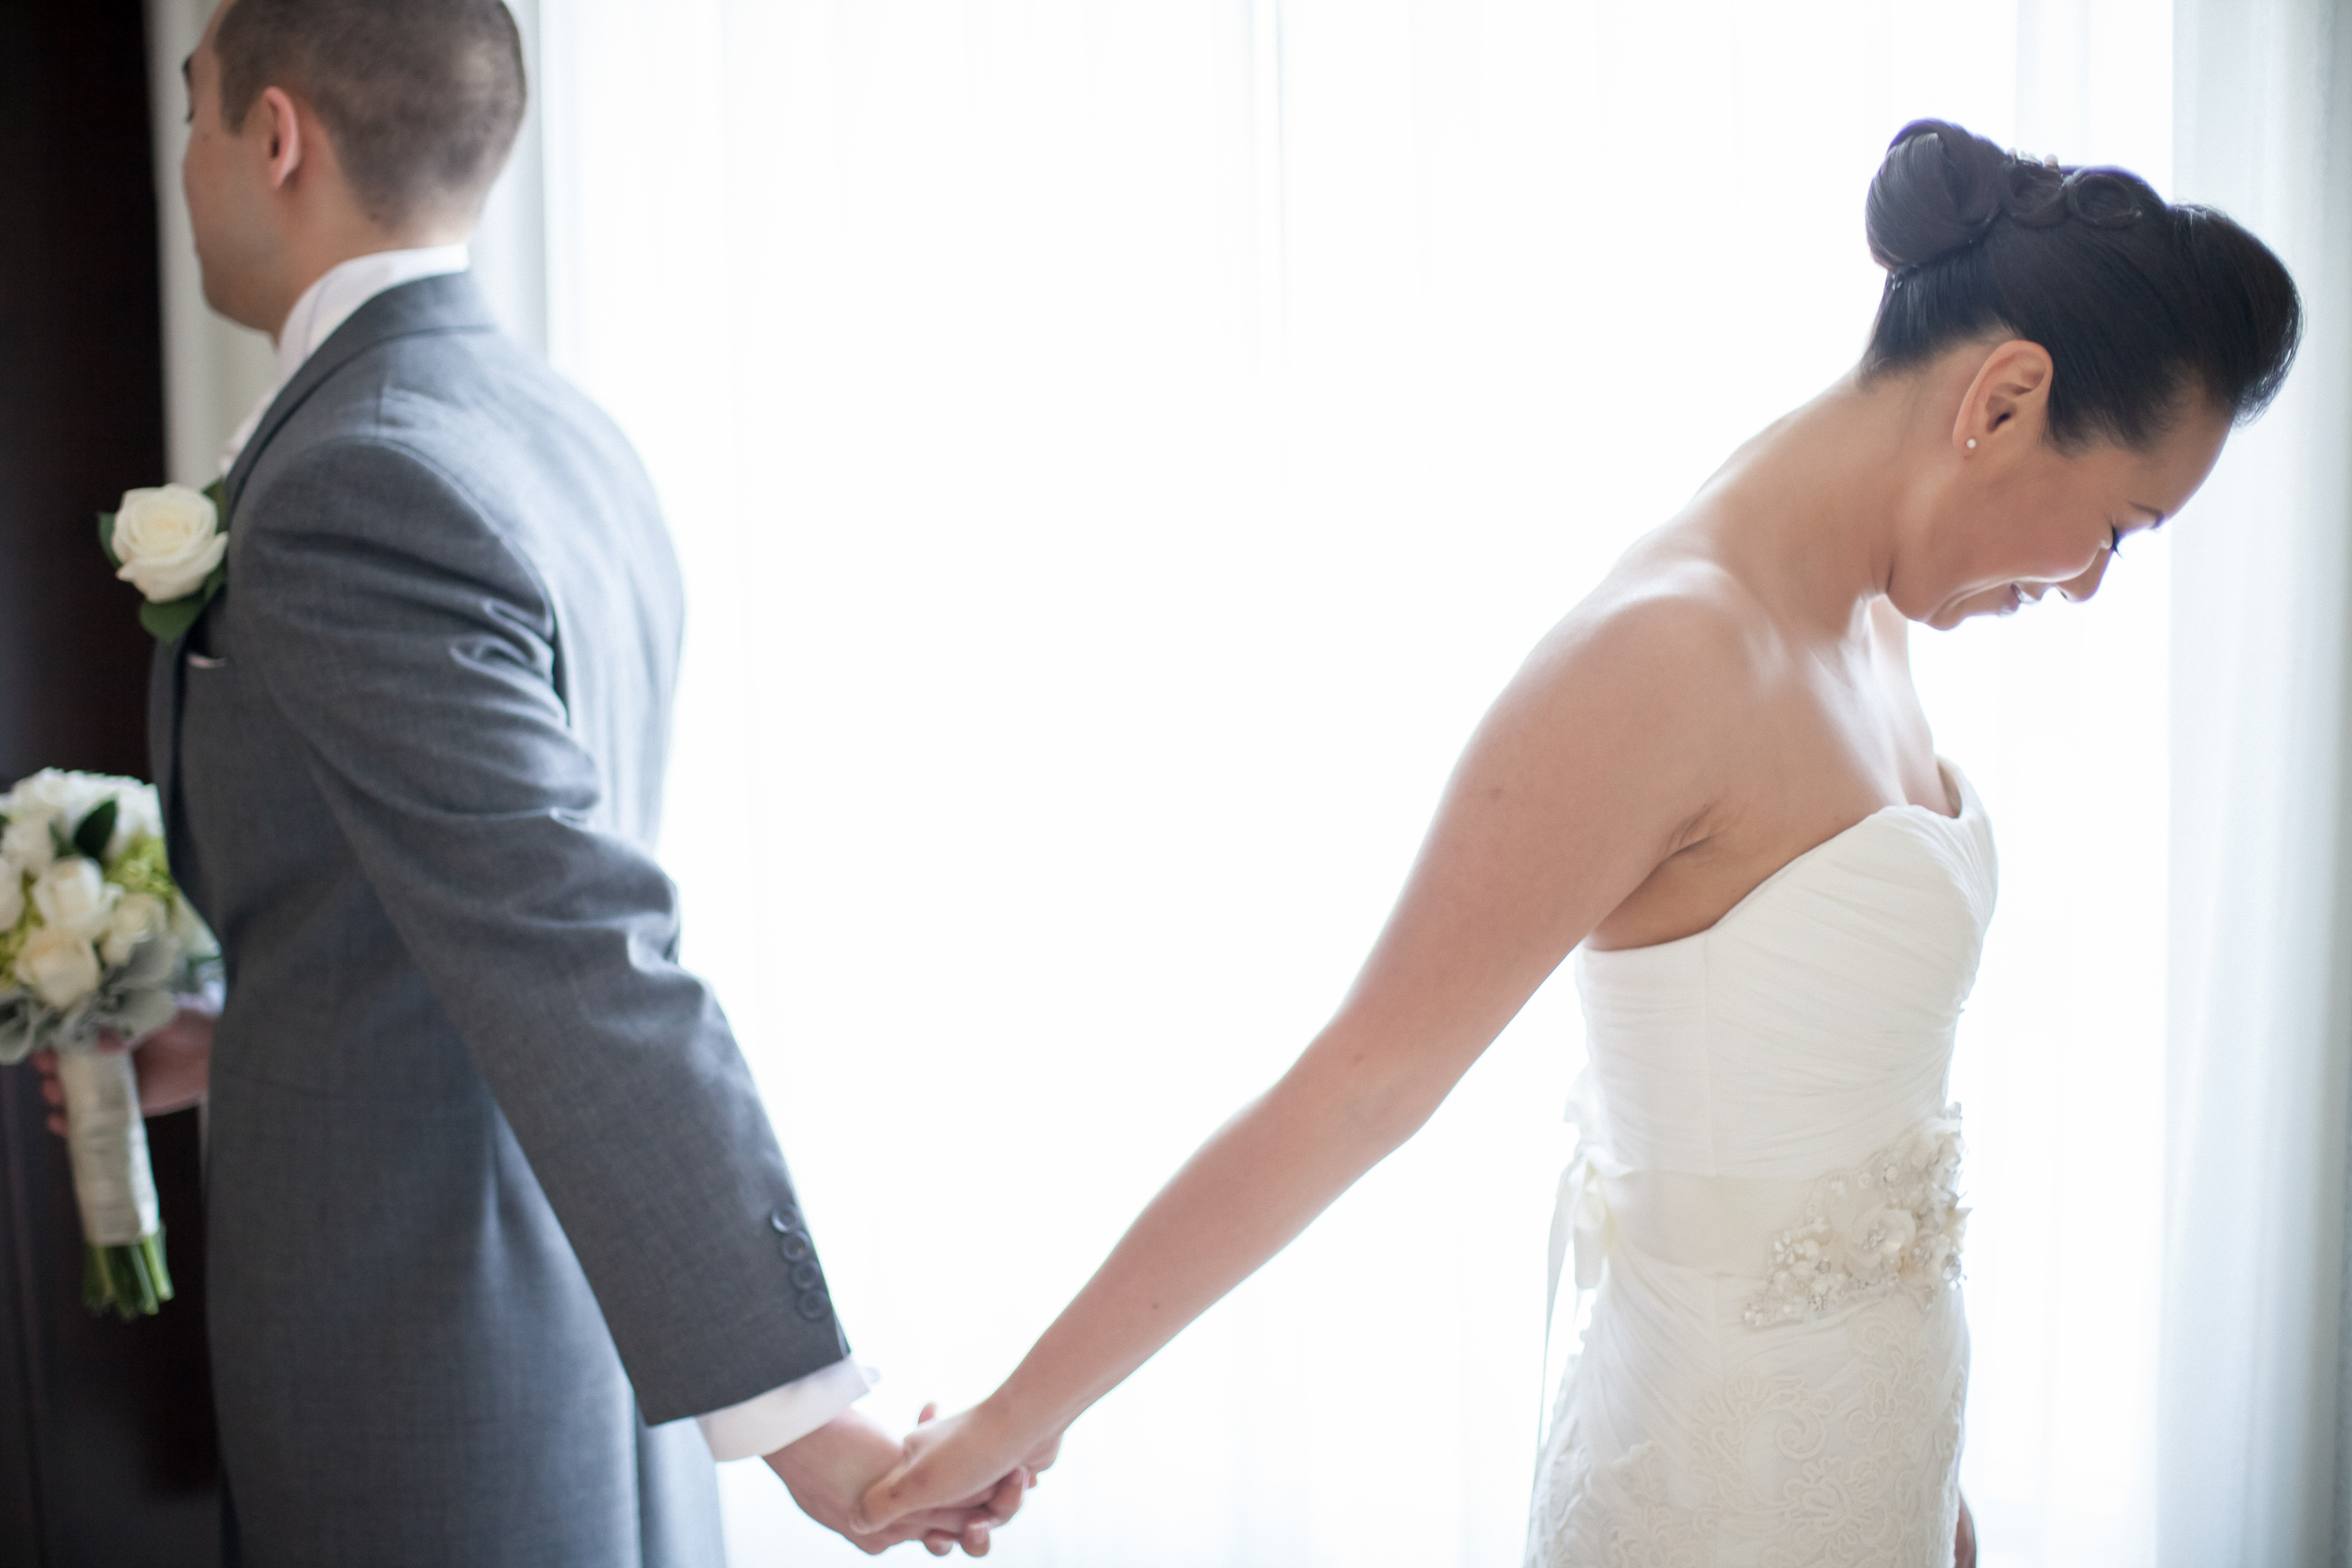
{"x": 965, "y": 1454}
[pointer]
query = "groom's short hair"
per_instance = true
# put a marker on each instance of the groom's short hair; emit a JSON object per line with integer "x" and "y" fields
{"x": 422, "y": 98}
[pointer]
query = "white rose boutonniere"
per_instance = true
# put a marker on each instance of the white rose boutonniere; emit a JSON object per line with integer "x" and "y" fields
{"x": 168, "y": 542}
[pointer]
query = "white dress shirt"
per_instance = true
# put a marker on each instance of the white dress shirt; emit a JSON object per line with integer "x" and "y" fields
{"x": 780, "y": 1415}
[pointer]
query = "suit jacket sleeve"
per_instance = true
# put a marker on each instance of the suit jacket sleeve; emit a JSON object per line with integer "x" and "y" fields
{"x": 418, "y": 659}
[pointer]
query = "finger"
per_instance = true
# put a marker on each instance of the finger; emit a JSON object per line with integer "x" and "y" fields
{"x": 53, "y": 1091}
{"x": 1005, "y": 1501}
{"x": 931, "y": 1413}
{"x": 975, "y": 1538}
{"x": 44, "y": 1060}
{"x": 879, "y": 1509}
{"x": 939, "y": 1543}
{"x": 56, "y": 1125}
{"x": 110, "y": 1040}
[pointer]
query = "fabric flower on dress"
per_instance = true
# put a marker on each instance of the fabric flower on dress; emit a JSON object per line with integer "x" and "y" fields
{"x": 1895, "y": 1223}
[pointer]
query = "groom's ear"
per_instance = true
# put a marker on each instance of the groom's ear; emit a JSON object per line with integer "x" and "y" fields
{"x": 278, "y": 128}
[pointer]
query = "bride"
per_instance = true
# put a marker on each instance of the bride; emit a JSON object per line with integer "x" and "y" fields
{"x": 1713, "y": 781}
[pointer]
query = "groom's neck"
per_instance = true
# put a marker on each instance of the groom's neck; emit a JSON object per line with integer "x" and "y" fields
{"x": 310, "y": 256}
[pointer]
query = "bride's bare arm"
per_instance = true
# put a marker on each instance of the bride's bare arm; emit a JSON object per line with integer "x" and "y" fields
{"x": 1594, "y": 766}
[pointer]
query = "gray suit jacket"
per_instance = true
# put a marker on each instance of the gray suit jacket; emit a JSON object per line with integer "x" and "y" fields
{"x": 487, "y": 1176}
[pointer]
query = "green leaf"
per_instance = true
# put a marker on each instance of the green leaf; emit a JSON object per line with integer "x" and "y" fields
{"x": 107, "y": 539}
{"x": 170, "y": 621}
{"x": 98, "y": 830}
{"x": 219, "y": 491}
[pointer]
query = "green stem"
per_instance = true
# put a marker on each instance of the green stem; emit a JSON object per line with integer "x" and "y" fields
{"x": 132, "y": 1278}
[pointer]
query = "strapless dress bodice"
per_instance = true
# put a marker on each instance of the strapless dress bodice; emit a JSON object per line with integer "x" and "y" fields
{"x": 1811, "y": 1025}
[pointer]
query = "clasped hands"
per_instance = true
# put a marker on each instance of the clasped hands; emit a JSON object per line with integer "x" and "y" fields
{"x": 853, "y": 1477}
{"x": 981, "y": 1454}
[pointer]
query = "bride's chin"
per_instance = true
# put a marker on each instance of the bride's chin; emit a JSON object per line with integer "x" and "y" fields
{"x": 2005, "y": 600}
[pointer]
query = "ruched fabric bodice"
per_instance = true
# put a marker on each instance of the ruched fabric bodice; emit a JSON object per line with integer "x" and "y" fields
{"x": 1776, "y": 1358}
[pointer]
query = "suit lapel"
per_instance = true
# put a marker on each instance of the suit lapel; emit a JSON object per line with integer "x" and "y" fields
{"x": 450, "y": 302}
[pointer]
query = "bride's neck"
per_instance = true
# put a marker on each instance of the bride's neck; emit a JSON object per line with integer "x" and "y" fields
{"x": 1812, "y": 511}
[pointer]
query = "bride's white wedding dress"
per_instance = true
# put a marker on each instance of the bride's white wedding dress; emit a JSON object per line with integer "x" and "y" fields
{"x": 1776, "y": 1359}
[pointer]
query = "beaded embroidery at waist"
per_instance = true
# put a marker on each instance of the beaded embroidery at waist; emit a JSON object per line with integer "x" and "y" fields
{"x": 1892, "y": 1222}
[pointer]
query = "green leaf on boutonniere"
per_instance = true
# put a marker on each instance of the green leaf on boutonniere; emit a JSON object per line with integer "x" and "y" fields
{"x": 169, "y": 621}
{"x": 97, "y": 830}
{"x": 107, "y": 539}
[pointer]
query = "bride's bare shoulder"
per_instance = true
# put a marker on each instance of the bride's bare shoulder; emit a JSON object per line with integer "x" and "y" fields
{"x": 1637, "y": 708}
{"x": 1679, "y": 628}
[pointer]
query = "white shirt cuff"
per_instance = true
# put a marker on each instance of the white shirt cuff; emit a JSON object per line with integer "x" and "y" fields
{"x": 786, "y": 1415}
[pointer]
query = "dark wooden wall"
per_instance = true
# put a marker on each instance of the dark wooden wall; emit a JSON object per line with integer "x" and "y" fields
{"x": 106, "y": 1447}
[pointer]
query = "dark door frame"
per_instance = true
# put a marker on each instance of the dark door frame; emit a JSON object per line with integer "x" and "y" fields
{"x": 107, "y": 1453}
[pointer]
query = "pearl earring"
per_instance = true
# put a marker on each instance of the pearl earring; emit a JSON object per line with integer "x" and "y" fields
{"x": 1972, "y": 443}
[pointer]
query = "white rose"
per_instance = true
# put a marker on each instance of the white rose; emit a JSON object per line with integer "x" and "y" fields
{"x": 11, "y": 896}
{"x": 60, "y": 967}
{"x": 51, "y": 790}
{"x": 168, "y": 539}
{"x": 136, "y": 919}
{"x": 137, "y": 815}
{"x": 26, "y": 844}
{"x": 74, "y": 895}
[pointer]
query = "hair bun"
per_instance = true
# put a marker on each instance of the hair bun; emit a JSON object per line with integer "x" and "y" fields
{"x": 1938, "y": 192}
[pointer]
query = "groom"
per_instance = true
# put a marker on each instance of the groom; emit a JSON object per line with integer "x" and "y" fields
{"x": 493, "y": 1203}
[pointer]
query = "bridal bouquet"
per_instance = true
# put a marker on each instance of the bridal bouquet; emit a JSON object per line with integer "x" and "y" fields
{"x": 95, "y": 937}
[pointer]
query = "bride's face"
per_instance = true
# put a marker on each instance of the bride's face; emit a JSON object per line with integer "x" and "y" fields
{"x": 2040, "y": 518}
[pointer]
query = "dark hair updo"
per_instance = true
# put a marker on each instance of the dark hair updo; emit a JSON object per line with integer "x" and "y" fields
{"x": 2138, "y": 302}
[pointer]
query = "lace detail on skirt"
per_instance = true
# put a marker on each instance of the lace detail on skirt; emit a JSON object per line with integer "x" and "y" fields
{"x": 1779, "y": 1469}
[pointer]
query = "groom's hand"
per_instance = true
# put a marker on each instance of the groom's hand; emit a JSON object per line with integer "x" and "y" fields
{"x": 175, "y": 1066}
{"x": 829, "y": 1470}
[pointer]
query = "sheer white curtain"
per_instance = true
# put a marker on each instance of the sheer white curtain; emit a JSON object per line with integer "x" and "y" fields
{"x": 2261, "y": 938}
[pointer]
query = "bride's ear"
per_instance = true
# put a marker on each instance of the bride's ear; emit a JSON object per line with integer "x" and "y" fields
{"x": 2008, "y": 402}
